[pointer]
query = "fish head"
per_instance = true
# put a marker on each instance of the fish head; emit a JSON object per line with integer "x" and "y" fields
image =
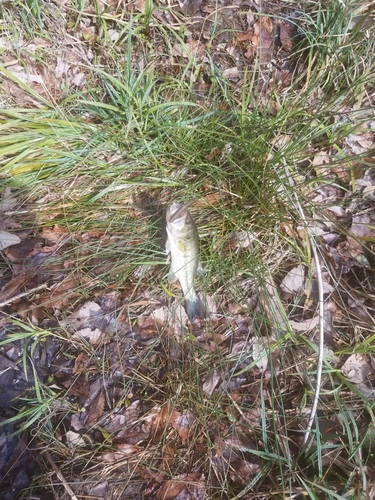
{"x": 179, "y": 220}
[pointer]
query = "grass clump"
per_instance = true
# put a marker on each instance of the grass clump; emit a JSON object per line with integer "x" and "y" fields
{"x": 231, "y": 398}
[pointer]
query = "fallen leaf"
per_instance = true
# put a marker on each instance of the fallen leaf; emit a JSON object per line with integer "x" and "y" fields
{"x": 22, "y": 97}
{"x": 183, "y": 424}
{"x": 178, "y": 484}
{"x": 79, "y": 79}
{"x": 74, "y": 439}
{"x": 87, "y": 310}
{"x": 95, "y": 404}
{"x": 194, "y": 48}
{"x": 320, "y": 163}
{"x": 64, "y": 293}
{"x": 16, "y": 284}
{"x": 20, "y": 73}
{"x": 99, "y": 490}
{"x": 189, "y": 7}
{"x": 160, "y": 315}
{"x": 304, "y": 326}
{"x": 8, "y": 239}
{"x": 294, "y": 280}
{"x": 261, "y": 35}
{"x": 93, "y": 336}
{"x": 360, "y": 143}
{"x": 7, "y": 201}
{"x": 124, "y": 450}
{"x": 77, "y": 421}
{"x": 211, "y": 381}
{"x": 231, "y": 73}
{"x": 273, "y": 307}
{"x": 259, "y": 353}
{"x": 362, "y": 226}
{"x": 62, "y": 68}
{"x": 25, "y": 248}
{"x": 356, "y": 368}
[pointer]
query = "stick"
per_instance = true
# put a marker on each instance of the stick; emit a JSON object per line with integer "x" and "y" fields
{"x": 23, "y": 294}
{"x": 59, "y": 475}
{"x": 319, "y": 367}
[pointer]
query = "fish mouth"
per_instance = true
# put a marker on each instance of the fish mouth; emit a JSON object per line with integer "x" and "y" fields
{"x": 180, "y": 211}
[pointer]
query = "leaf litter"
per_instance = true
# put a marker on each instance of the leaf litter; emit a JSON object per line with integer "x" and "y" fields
{"x": 113, "y": 363}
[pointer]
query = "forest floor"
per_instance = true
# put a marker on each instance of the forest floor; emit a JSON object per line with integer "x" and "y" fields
{"x": 263, "y": 113}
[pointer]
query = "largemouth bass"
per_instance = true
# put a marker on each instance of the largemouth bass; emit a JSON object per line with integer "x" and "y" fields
{"x": 183, "y": 245}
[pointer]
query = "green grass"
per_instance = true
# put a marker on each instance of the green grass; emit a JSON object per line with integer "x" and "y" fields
{"x": 109, "y": 159}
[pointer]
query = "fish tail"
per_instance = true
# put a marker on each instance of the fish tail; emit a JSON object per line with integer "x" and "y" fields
{"x": 195, "y": 308}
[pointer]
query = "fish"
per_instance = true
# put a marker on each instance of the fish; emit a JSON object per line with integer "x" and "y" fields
{"x": 183, "y": 246}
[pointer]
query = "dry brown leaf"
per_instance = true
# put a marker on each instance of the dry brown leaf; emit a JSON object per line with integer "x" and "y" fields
{"x": 86, "y": 311}
{"x": 124, "y": 451}
{"x": 115, "y": 422}
{"x": 189, "y": 7}
{"x": 161, "y": 418}
{"x": 53, "y": 234}
{"x": 74, "y": 439}
{"x": 360, "y": 143}
{"x": 99, "y": 491}
{"x": 95, "y": 404}
{"x": 77, "y": 421}
{"x": 25, "y": 248}
{"x": 7, "y": 200}
{"x": 82, "y": 363}
{"x": 320, "y": 163}
{"x": 362, "y": 226}
{"x": 64, "y": 294}
{"x": 75, "y": 387}
{"x": 304, "y": 326}
{"x": 232, "y": 73}
{"x": 159, "y": 315}
{"x": 259, "y": 353}
{"x": 15, "y": 285}
{"x": 294, "y": 280}
{"x": 230, "y": 457}
{"x": 356, "y": 368}
{"x": 212, "y": 342}
{"x": 178, "y": 484}
{"x": 20, "y": 73}
{"x": 194, "y": 48}
{"x": 287, "y": 35}
{"x": 355, "y": 250}
{"x": 8, "y": 239}
{"x": 93, "y": 336}
{"x": 211, "y": 381}
{"x": 262, "y": 38}
{"x": 183, "y": 424}
{"x": 21, "y": 97}
{"x": 133, "y": 432}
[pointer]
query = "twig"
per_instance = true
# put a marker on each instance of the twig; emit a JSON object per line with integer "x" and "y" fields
{"x": 23, "y": 294}
{"x": 318, "y": 269}
{"x": 59, "y": 475}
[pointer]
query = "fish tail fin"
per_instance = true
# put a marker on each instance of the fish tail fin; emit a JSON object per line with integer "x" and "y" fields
{"x": 195, "y": 308}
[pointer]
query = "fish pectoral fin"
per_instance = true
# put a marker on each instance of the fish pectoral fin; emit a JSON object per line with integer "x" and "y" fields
{"x": 171, "y": 277}
{"x": 181, "y": 246}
